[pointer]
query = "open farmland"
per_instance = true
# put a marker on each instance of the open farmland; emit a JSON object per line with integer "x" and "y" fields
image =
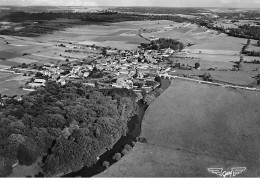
{"x": 210, "y": 48}
{"x": 192, "y": 127}
{"x": 14, "y": 50}
{"x": 122, "y": 35}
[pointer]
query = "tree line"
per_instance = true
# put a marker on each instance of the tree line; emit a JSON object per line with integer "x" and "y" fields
{"x": 163, "y": 43}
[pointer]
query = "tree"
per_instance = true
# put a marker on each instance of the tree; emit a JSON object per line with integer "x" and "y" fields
{"x": 160, "y": 90}
{"x": 148, "y": 99}
{"x": 127, "y": 147}
{"x": 197, "y": 65}
{"x": 207, "y": 77}
{"x": 27, "y": 152}
{"x": 157, "y": 78}
{"x": 105, "y": 164}
{"x": 117, "y": 156}
{"x": 5, "y": 167}
{"x": 240, "y": 66}
{"x": 104, "y": 51}
{"x": 248, "y": 42}
{"x": 241, "y": 60}
{"x": 143, "y": 92}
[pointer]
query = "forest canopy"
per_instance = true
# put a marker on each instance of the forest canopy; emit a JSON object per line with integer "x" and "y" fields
{"x": 67, "y": 126}
{"x": 163, "y": 43}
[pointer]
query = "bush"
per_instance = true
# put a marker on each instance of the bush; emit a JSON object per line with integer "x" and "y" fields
{"x": 5, "y": 167}
{"x": 197, "y": 65}
{"x": 160, "y": 90}
{"x": 124, "y": 152}
{"x": 142, "y": 139}
{"x": 128, "y": 147}
{"x": 207, "y": 77}
{"x": 26, "y": 155}
{"x": 105, "y": 164}
{"x": 117, "y": 156}
{"x": 148, "y": 99}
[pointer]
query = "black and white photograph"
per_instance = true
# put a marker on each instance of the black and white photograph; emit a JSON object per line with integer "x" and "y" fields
{"x": 148, "y": 89}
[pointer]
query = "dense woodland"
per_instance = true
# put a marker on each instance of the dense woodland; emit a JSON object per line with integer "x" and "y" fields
{"x": 163, "y": 43}
{"x": 68, "y": 127}
{"x": 246, "y": 31}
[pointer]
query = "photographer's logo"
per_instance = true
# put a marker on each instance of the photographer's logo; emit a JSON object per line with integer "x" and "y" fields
{"x": 232, "y": 173}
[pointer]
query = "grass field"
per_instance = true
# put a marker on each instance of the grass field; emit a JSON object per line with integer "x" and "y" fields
{"x": 211, "y": 48}
{"x": 10, "y": 83}
{"x": 23, "y": 170}
{"x": 192, "y": 127}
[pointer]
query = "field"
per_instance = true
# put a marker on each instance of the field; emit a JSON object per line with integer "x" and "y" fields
{"x": 10, "y": 84}
{"x": 210, "y": 48}
{"x": 228, "y": 24}
{"x": 44, "y": 49}
{"x": 192, "y": 127}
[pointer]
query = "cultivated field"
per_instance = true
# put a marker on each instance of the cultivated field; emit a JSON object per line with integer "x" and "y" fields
{"x": 210, "y": 48}
{"x": 43, "y": 49}
{"x": 192, "y": 127}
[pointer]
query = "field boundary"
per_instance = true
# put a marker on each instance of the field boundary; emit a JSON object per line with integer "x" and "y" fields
{"x": 172, "y": 77}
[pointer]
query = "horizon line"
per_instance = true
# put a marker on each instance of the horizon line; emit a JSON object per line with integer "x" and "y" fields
{"x": 132, "y": 6}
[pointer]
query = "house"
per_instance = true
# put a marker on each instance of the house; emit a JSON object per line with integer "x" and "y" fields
{"x": 62, "y": 81}
{"x": 123, "y": 82}
{"x": 86, "y": 74}
{"x": 123, "y": 71}
{"x": 35, "y": 85}
{"x": 40, "y": 81}
{"x": 89, "y": 84}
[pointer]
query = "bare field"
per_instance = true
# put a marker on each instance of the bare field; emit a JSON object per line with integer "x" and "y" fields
{"x": 192, "y": 127}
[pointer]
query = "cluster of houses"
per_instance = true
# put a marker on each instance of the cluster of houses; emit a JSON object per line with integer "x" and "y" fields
{"x": 120, "y": 68}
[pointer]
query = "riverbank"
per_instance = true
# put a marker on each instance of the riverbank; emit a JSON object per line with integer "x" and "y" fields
{"x": 134, "y": 127}
{"x": 192, "y": 127}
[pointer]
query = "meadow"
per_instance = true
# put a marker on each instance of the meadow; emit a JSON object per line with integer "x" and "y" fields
{"x": 10, "y": 84}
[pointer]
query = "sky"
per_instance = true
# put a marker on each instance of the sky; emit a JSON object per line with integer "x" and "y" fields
{"x": 164, "y": 3}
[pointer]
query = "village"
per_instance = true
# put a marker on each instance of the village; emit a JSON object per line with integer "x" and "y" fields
{"x": 103, "y": 67}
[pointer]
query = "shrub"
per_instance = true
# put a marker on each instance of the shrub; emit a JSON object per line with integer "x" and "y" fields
{"x": 26, "y": 155}
{"x": 105, "y": 164}
{"x": 160, "y": 90}
{"x": 124, "y": 152}
{"x": 197, "y": 65}
{"x": 207, "y": 77}
{"x": 128, "y": 147}
{"x": 149, "y": 99}
{"x": 142, "y": 139}
{"x": 117, "y": 156}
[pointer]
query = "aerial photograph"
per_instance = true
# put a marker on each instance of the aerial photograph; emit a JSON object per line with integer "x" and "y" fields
{"x": 129, "y": 89}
